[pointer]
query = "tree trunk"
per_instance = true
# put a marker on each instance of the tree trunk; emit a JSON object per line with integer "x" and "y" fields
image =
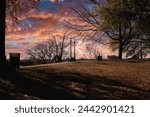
{"x": 70, "y": 49}
{"x": 120, "y": 41}
{"x": 62, "y": 49}
{"x": 2, "y": 32}
{"x": 74, "y": 49}
{"x": 120, "y": 49}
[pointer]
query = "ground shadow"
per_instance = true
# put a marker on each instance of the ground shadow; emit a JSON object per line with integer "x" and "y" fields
{"x": 51, "y": 84}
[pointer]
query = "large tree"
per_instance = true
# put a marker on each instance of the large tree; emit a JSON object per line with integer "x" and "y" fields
{"x": 142, "y": 20}
{"x": 125, "y": 22}
{"x": 116, "y": 22}
{"x": 119, "y": 20}
{"x": 10, "y": 10}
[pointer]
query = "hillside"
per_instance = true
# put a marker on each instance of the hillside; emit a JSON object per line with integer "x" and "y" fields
{"x": 120, "y": 79}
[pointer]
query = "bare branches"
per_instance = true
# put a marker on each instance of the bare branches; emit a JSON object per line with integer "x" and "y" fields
{"x": 53, "y": 50}
{"x": 92, "y": 51}
{"x": 14, "y": 8}
{"x": 87, "y": 25}
{"x": 85, "y": 15}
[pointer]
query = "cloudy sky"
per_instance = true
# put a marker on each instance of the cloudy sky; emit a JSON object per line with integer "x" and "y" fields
{"x": 36, "y": 26}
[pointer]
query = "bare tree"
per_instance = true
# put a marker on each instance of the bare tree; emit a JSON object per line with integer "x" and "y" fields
{"x": 50, "y": 50}
{"x": 92, "y": 51}
{"x": 61, "y": 43}
{"x": 53, "y": 50}
{"x": 39, "y": 52}
{"x": 89, "y": 28}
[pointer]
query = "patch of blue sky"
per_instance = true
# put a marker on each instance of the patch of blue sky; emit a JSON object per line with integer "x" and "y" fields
{"x": 47, "y": 6}
{"x": 27, "y": 21}
{"x": 14, "y": 44}
{"x": 90, "y": 6}
{"x": 30, "y": 38}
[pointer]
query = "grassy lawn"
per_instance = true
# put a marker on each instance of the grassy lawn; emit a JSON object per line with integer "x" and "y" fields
{"x": 120, "y": 79}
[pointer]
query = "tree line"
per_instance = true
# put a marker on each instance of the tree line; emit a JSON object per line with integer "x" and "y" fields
{"x": 53, "y": 50}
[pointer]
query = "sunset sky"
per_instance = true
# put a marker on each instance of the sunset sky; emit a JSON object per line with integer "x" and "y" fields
{"x": 35, "y": 26}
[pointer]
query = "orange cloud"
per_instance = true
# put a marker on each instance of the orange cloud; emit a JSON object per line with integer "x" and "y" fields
{"x": 35, "y": 27}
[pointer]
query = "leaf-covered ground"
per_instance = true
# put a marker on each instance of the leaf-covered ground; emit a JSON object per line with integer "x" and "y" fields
{"x": 120, "y": 79}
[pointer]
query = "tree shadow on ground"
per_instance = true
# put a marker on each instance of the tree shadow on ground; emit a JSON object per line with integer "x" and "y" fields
{"x": 52, "y": 84}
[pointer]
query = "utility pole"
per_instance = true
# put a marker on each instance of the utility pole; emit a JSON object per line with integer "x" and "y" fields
{"x": 70, "y": 49}
{"x": 74, "y": 49}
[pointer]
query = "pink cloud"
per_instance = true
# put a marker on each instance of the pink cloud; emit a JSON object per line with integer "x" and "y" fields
{"x": 38, "y": 29}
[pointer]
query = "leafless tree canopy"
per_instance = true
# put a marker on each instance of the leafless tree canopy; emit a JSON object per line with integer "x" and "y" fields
{"x": 15, "y": 7}
{"x": 93, "y": 51}
{"x": 53, "y": 50}
{"x": 88, "y": 25}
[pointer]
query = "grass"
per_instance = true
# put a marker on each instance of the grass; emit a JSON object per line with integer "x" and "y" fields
{"x": 118, "y": 79}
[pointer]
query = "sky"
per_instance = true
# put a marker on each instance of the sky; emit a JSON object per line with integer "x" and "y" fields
{"x": 37, "y": 25}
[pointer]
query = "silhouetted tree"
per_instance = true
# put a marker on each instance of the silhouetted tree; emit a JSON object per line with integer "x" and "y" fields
{"x": 116, "y": 22}
{"x": 92, "y": 51}
{"x": 119, "y": 20}
{"x": 126, "y": 23}
{"x": 88, "y": 29}
{"x": 38, "y": 52}
{"x": 53, "y": 50}
{"x": 142, "y": 20}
